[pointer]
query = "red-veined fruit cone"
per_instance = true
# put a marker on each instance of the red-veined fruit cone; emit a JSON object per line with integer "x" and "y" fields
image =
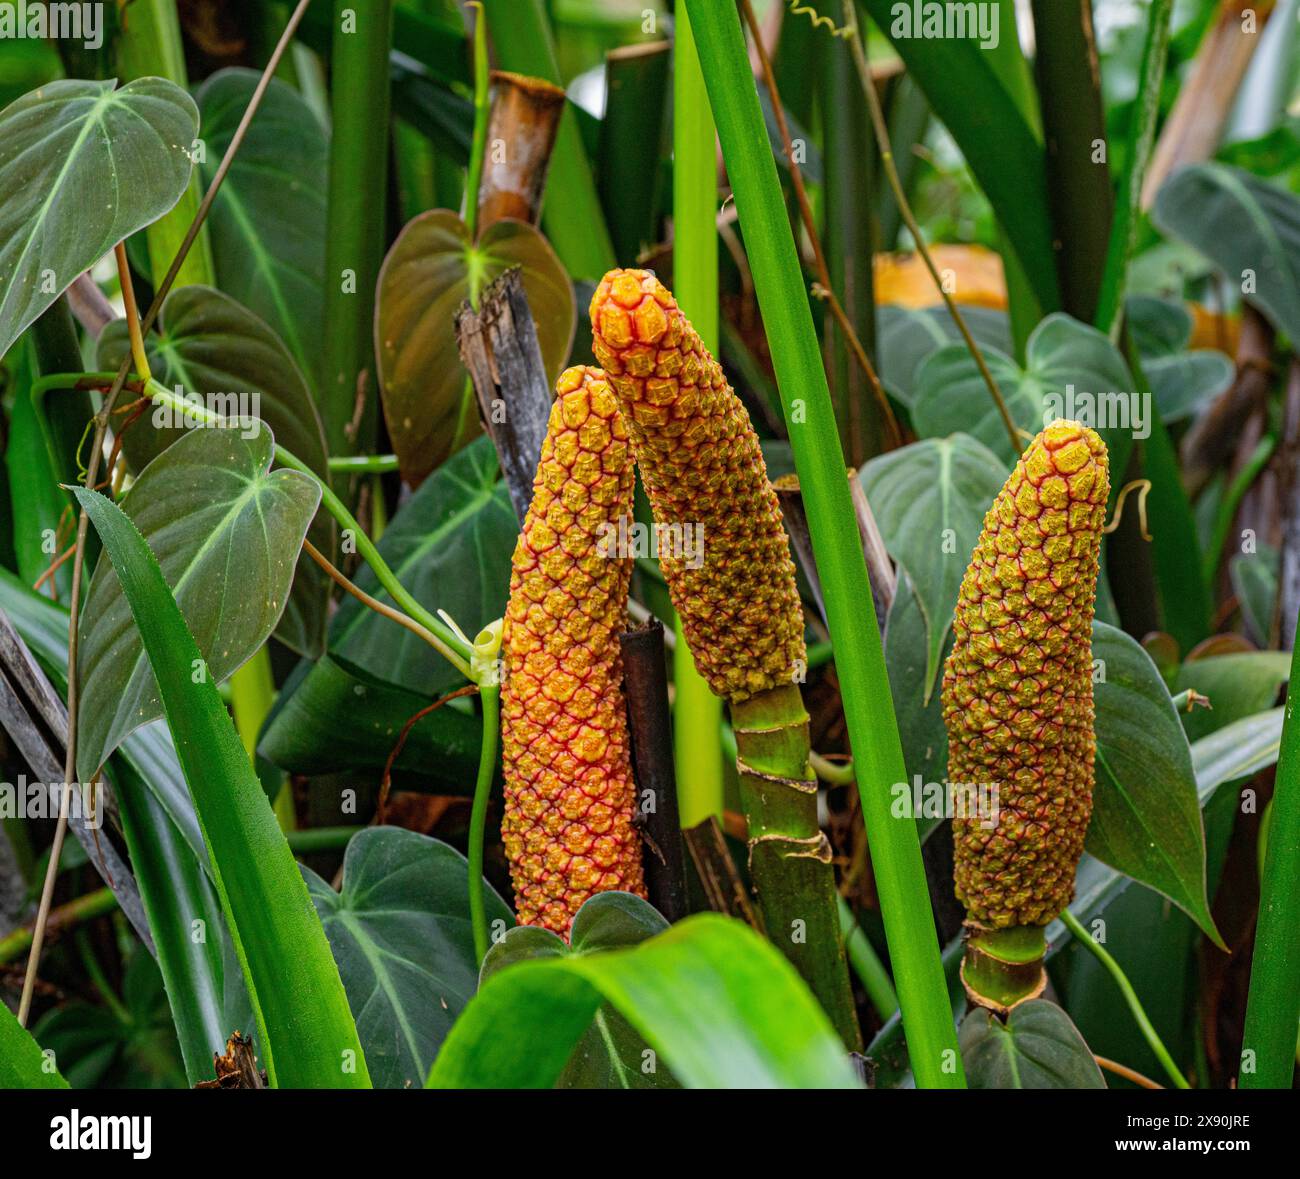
{"x": 570, "y": 796}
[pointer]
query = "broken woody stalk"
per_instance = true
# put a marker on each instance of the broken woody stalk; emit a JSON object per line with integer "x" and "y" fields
{"x": 701, "y": 465}
{"x": 1017, "y": 703}
{"x": 568, "y": 827}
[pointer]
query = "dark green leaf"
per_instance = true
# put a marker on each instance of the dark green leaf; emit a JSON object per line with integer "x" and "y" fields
{"x": 719, "y": 1004}
{"x": 610, "y": 1054}
{"x": 1181, "y": 381}
{"x": 399, "y": 928}
{"x": 1249, "y": 228}
{"x": 450, "y": 545}
{"x": 1061, "y": 352}
{"x": 431, "y": 269}
{"x": 278, "y": 937}
{"x": 335, "y": 717}
{"x": 907, "y": 335}
{"x": 208, "y": 346}
{"x": 1237, "y": 686}
{"x": 227, "y": 532}
{"x": 1255, "y": 582}
{"x": 82, "y": 167}
{"x": 1146, "y": 818}
{"x": 1037, "y": 1048}
{"x": 268, "y": 221}
{"x": 929, "y": 500}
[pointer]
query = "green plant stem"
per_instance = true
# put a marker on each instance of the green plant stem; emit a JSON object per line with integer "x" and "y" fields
{"x": 1142, "y": 135}
{"x": 574, "y": 223}
{"x": 482, "y": 111}
{"x": 319, "y": 839}
{"x": 150, "y": 46}
{"x": 837, "y": 546}
{"x": 364, "y": 464}
{"x": 1232, "y": 500}
{"x": 1273, "y": 1005}
{"x": 697, "y": 712}
{"x": 86, "y": 908}
{"x": 1113, "y": 968}
{"x": 1003, "y": 967}
{"x": 789, "y": 855}
{"x": 867, "y": 965}
{"x": 358, "y": 187}
{"x": 490, "y": 695}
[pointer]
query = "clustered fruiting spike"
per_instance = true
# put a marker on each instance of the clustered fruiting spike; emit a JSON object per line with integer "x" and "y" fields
{"x": 568, "y": 829}
{"x": 702, "y": 467}
{"x": 1017, "y": 688}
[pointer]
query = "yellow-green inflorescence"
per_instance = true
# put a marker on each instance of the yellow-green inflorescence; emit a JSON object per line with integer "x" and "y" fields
{"x": 703, "y": 470}
{"x": 1017, "y": 688}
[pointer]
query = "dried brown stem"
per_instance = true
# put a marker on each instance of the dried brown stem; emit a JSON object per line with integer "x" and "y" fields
{"x": 521, "y": 134}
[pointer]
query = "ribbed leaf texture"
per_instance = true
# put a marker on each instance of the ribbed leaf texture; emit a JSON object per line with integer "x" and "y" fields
{"x": 570, "y": 796}
{"x": 1017, "y": 688}
{"x": 703, "y": 469}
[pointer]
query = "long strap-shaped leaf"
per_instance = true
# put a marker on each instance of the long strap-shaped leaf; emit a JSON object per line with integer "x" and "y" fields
{"x": 722, "y": 1007}
{"x": 22, "y": 1064}
{"x": 308, "y": 1036}
{"x": 837, "y": 546}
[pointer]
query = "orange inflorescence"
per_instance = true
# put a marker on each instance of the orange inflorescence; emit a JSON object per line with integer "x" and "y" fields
{"x": 569, "y": 791}
{"x": 703, "y": 470}
{"x": 1017, "y": 689}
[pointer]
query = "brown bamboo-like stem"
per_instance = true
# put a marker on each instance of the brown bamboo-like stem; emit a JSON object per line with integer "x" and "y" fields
{"x": 724, "y": 890}
{"x": 789, "y": 854}
{"x": 521, "y": 135}
{"x": 645, "y": 685}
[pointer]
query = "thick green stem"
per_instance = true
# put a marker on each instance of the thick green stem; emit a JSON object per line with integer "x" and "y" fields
{"x": 1003, "y": 967}
{"x": 87, "y": 908}
{"x": 789, "y": 854}
{"x": 697, "y": 712}
{"x": 837, "y": 546}
{"x": 490, "y": 695}
{"x": 357, "y": 197}
{"x": 1273, "y": 1008}
{"x": 150, "y": 46}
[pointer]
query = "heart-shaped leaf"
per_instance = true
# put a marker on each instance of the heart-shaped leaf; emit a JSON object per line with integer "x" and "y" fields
{"x": 929, "y": 500}
{"x": 268, "y": 221}
{"x": 1060, "y": 352}
{"x": 431, "y": 269}
{"x": 1146, "y": 817}
{"x": 210, "y": 347}
{"x": 718, "y": 1004}
{"x": 82, "y": 167}
{"x": 226, "y": 531}
{"x": 1037, "y": 1048}
{"x": 1249, "y": 228}
{"x": 906, "y": 336}
{"x": 400, "y": 932}
{"x": 1180, "y": 381}
{"x": 450, "y": 545}
{"x": 610, "y": 1055}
